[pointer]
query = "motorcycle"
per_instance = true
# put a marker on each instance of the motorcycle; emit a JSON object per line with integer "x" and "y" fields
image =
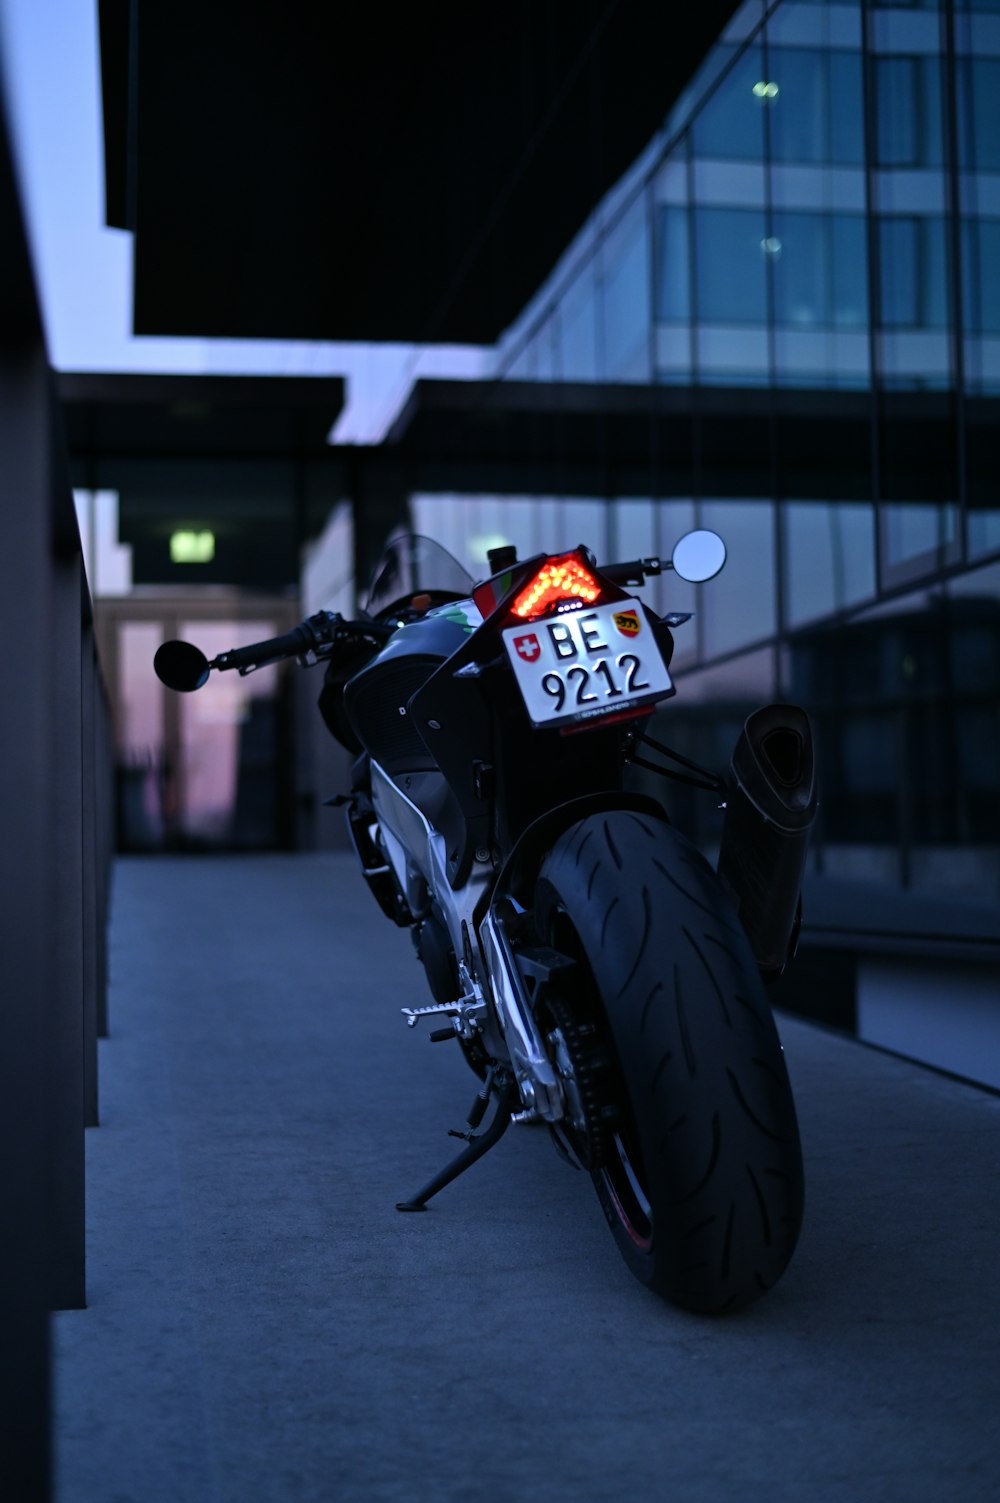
{"x": 598, "y": 976}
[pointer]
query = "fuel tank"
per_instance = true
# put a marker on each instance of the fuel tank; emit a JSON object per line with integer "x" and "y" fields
{"x": 377, "y": 697}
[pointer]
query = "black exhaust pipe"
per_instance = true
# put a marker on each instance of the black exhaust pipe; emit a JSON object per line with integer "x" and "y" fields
{"x": 770, "y": 809}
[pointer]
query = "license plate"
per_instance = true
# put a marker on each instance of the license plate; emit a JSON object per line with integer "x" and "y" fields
{"x": 585, "y": 664}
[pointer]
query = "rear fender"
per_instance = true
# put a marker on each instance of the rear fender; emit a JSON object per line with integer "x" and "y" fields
{"x": 502, "y": 949}
{"x": 520, "y": 870}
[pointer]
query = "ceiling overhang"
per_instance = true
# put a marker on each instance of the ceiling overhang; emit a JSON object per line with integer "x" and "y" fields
{"x": 125, "y": 416}
{"x": 519, "y": 437}
{"x": 584, "y": 438}
{"x": 352, "y": 173}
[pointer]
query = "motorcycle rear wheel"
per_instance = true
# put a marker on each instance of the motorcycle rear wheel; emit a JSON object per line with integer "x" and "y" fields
{"x": 700, "y": 1173}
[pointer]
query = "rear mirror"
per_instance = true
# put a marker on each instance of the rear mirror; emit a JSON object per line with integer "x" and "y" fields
{"x": 698, "y": 556}
{"x": 181, "y": 666}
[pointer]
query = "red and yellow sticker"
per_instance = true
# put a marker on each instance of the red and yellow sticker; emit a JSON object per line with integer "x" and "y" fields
{"x": 628, "y": 623}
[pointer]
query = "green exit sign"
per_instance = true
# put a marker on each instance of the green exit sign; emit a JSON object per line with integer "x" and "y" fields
{"x": 192, "y": 547}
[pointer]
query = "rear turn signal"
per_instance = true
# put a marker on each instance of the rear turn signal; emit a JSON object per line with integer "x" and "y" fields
{"x": 562, "y": 578}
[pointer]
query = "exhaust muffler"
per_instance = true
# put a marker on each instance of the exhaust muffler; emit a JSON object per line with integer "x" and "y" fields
{"x": 770, "y": 809}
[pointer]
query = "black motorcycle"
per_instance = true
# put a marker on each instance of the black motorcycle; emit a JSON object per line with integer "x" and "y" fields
{"x": 598, "y": 975}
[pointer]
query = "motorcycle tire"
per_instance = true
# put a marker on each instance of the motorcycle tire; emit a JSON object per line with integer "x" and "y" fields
{"x": 699, "y": 1171}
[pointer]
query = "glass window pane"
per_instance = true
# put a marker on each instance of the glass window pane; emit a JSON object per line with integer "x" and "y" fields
{"x": 575, "y": 520}
{"x": 510, "y": 519}
{"x": 820, "y": 275}
{"x": 917, "y": 531}
{"x": 817, "y": 113}
{"x": 523, "y": 366}
{"x": 984, "y": 530}
{"x": 829, "y": 557}
{"x": 848, "y": 234}
{"x": 981, "y": 275}
{"x": 731, "y": 248}
{"x": 634, "y": 529}
{"x": 798, "y": 112}
{"x": 913, "y": 263}
{"x": 578, "y": 330}
{"x": 898, "y": 248}
{"x": 978, "y": 90}
{"x": 750, "y": 680}
{"x": 739, "y": 606}
{"x": 801, "y": 269}
{"x": 626, "y": 297}
{"x": 847, "y": 116}
{"x": 673, "y": 266}
{"x": 731, "y": 122}
{"x": 908, "y": 111}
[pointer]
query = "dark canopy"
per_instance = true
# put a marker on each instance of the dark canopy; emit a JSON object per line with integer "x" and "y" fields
{"x": 335, "y": 171}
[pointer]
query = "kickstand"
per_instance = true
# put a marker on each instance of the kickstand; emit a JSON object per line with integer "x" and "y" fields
{"x": 507, "y": 1098}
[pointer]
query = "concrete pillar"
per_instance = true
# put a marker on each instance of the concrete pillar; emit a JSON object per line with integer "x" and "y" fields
{"x": 27, "y": 935}
{"x": 65, "y": 1010}
{"x": 92, "y": 858}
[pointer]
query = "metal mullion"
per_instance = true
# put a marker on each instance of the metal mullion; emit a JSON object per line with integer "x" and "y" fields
{"x": 776, "y": 538}
{"x": 696, "y": 465}
{"x": 874, "y": 278}
{"x": 952, "y": 164}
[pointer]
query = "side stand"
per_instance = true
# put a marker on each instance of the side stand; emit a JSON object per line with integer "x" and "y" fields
{"x": 507, "y": 1098}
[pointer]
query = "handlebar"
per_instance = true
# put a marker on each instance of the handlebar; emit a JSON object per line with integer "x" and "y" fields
{"x": 636, "y": 571}
{"x": 292, "y": 644}
{"x": 183, "y": 667}
{"x": 321, "y": 630}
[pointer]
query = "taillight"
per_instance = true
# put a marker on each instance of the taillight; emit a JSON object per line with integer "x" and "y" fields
{"x": 562, "y": 578}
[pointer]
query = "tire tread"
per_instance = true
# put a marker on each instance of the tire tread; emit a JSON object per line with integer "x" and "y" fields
{"x": 707, "y": 1086}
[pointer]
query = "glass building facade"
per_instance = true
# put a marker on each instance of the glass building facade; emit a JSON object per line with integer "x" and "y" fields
{"x": 805, "y": 264}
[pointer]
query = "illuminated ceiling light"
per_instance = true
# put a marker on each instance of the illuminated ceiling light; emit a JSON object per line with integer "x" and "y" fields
{"x": 771, "y": 246}
{"x": 764, "y": 90}
{"x": 192, "y": 547}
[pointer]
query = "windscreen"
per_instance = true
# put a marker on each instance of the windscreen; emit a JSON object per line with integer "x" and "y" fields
{"x": 412, "y": 565}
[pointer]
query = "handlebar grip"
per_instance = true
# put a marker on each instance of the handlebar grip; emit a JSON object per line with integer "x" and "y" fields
{"x": 291, "y": 644}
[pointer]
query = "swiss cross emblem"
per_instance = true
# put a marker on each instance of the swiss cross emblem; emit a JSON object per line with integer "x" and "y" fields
{"x": 527, "y": 647}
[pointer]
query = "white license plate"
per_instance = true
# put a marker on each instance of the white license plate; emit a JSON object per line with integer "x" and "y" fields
{"x": 585, "y": 664}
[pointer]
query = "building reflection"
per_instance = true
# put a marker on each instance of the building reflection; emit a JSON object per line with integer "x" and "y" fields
{"x": 809, "y": 255}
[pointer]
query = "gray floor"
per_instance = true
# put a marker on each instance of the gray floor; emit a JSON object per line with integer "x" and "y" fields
{"x": 263, "y": 1325}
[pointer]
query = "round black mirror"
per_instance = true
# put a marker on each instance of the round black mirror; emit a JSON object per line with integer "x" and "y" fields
{"x": 699, "y": 556}
{"x": 181, "y": 666}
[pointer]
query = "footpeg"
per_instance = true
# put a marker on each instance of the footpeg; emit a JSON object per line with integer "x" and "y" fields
{"x": 466, "y": 1013}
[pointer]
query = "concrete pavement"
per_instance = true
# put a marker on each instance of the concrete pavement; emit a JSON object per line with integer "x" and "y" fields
{"x": 263, "y": 1325}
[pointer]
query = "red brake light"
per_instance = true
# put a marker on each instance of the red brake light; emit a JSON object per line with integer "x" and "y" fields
{"x": 562, "y": 578}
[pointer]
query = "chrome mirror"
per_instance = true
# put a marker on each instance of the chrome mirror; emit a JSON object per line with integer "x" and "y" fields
{"x": 698, "y": 556}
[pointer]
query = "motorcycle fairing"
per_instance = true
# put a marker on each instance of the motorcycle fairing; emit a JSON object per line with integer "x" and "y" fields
{"x": 405, "y": 827}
